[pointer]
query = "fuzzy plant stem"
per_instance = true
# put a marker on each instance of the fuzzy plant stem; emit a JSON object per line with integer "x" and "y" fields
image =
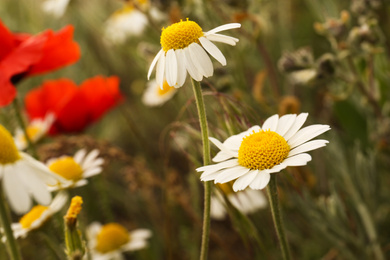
{"x": 206, "y": 160}
{"x": 277, "y": 217}
{"x": 13, "y": 249}
{"x": 22, "y": 125}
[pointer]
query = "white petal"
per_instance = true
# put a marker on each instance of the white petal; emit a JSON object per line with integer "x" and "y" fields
{"x": 284, "y": 124}
{"x": 97, "y": 162}
{"x": 160, "y": 70}
{"x": 224, "y": 28}
{"x": 242, "y": 182}
{"x": 192, "y": 70}
{"x": 231, "y": 174}
{"x": 79, "y": 156}
{"x": 134, "y": 245}
{"x": 140, "y": 234}
{"x": 201, "y": 60}
{"x": 234, "y": 142}
{"x": 181, "y": 67}
{"x": 299, "y": 121}
{"x": 92, "y": 172}
{"x": 271, "y": 123}
{"x": 307, "y": 133}
{"x": 261, "y": 180}
{"x": 89, "y": 159}
{"x": 154, "y": 62}
{"x": 222, "y": 156}
{"x": 218, "y": 166}
{"x": 222, "y": 38}
{"x": 16, "y": 193}
{"x": 213, "y": 50}
{"x": 171, "y": 68}
{"x": 309, "y": 146}
{"x": 222, "y": 147}
{"x": 59, "y": 201}
{"x": 209, "y": 176}
{"x": 297, "y": 160}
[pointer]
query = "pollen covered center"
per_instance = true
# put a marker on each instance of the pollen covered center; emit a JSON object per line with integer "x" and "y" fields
{"x": 111, "y": 237}
{"x": 67, "y": 168}
{"x": 8, "y": 152}
{"x": 165, "y": 89}
{"x": 32, "y": 215}
{"x": 180, "y": 35}
{"x": 262, "y": 150}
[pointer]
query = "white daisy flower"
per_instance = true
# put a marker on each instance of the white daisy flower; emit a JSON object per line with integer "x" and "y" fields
{"x": 251, "y": 156}
{"x": 123, "y": 23}
{"x": 109, "y": 241}
{"x": 184, "y": 48}
{"x": 38, "y": 215}
{"x": 55, "y": 8}
{"x": 76, "y": 169}
{"x": 35, "y": 131}
{"x": 156, "y": 96}
{"x": 22, "y": 177}
{"x": 246, "y": 201}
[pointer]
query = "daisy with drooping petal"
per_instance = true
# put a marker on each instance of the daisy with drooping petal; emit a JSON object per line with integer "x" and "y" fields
{"x": 184, "y": 48}
{"x": 107, "y": 242}
{"x": 251, "y": 156}
{"x": 23, "y": 178}
{"x": 246, "y": 201}
{"x": 155, "y": 95}
{"x": 35, "y": 131}
{"x": 76, "y": 169}
{"x": 38, "y": 215}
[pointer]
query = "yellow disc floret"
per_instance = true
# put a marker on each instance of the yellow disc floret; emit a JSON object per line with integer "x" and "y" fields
{"x": 165, "y": 89}
{"x": 67, "y": 168}
{"x": 32, "y": 215}
{"x": 227, "y": 188}
{"x": 180, "y": 35}
{"x": 8, "y": 151}
{"x": 111, "y": 237}
{"x": 262, "y": 150}
{"x": 74, "y": 208}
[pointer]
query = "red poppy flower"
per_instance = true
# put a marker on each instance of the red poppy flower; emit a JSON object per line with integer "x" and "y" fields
{"x": 74, "y": 107}
{"x": 23, "y": 55}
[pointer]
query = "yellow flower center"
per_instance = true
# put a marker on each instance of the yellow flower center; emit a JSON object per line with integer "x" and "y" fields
{"x": 165, "y": 89}
{"x": 32, "y": 215}
{"x": 111, "y": 237}
{"x": 180, "y": 35}
{"x": 227, "y": 188}
{"x": 67, "y": 168}
{"x": 262, "y": 150}
{"x": 8, "y": 151}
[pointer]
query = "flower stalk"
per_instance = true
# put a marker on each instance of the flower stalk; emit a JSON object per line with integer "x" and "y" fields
{"x": 277, "y": 217}
{"x": 75, "y": 248}
{"x": 206, "y": 160}
{"x": 12, "y": 247}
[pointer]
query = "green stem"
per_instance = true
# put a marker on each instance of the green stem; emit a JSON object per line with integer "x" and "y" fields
{"x": 22, "y": 125}
{"x": 12, "y": 247}
{"x": 206, "y": 160}
{"x": 277, "y": 217}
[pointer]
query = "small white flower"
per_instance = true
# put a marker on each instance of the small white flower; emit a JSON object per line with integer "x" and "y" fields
{"x": 246, "y": 201}
{"x": 251, "y": 156}
{"x": 35, "y": 130}
{"x": 109, "y": 241}
{"x": 56, "y": 8}
{"x": 123, "y": 23}
{"x": 156, "y": 96}
{"x": 38, "y": 215}
{"x": 23, "y": 178}
{"x": 76, "y": 169}
{"x": 184, "y": 48}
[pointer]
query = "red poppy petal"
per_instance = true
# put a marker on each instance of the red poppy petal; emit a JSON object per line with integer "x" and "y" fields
{"x": 7, "y": 92}
{"x": 59, "y": 50}
{"x": 101, "y": 94}
{"x": 7, "y": 41}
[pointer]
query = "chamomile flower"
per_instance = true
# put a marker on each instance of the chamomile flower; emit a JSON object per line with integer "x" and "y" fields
{"x": 123, "y": 23}
{"x": 55, "y": 8}
{"x": 184, "y": 48}
{"x": 76, "y": 169}
{"x": 107, "y": 242}
{"x": 23, "y": 178}
{"x": 251, "y": 156}
{"x": 156, "y": 96}
{"x": 38, "y": 215}
{"x": 35, "y": 131}
{"x": 246, "y": 201}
